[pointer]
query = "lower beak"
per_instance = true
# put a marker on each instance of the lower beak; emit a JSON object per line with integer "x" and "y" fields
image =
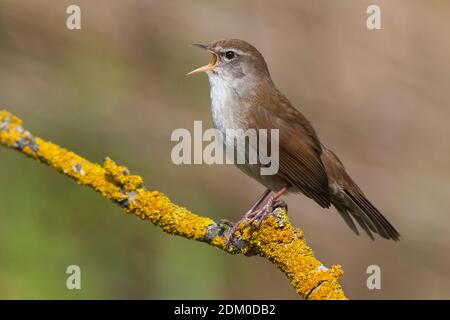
{"x": 209, "y": 66}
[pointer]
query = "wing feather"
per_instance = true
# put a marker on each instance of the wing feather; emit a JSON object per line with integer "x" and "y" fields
{"x": 299, "y": 147}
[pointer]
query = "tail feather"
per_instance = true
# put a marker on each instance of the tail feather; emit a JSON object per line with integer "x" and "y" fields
{"x": 348, "y": 220}
{"x": 359, "y": 209}
{"x": 351, "y": 202}
{"x": 381, "y": 224}
{"x": 364, "y": 226}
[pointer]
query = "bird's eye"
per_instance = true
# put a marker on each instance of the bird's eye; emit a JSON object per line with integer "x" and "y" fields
{"x": 229, "y": 55}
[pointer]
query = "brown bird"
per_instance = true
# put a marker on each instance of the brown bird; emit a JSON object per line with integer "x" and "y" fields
{"x": 243, "y": 96}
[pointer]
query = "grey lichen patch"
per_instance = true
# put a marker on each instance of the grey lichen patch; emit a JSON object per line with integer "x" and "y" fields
{"x": 280, "y": 216}
{"x": 5, "y": 123}
{"x": 322, "y": 268}
{"x": 222, "y": 230}
{"x": 131, "y": 198}
{"x": 27, "y": 140}
{"x": 214, "y": 230}
{"x": 240, "y": 244}
{"x": 78, "y": 168}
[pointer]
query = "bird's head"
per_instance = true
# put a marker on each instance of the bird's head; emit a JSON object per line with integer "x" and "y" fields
{"x": 233, "y": 59}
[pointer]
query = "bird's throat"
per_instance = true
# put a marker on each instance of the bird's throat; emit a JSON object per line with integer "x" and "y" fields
{"x": 228, "y": 104}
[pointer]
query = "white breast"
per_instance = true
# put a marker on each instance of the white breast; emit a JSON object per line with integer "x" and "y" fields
{"x": 227, "y": 111}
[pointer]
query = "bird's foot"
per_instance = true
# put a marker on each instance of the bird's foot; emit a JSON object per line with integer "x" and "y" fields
{"x": 262, "y": 214}
{"x": 235, "y": 226}
{"x": 255, "y": 215}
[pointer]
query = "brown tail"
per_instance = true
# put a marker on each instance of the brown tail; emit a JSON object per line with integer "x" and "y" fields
{"x": 351, "y": 202}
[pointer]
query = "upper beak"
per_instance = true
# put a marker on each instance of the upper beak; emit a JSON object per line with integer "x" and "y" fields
{"x": 207, "y": 67}
{"x": 201, "y": 46}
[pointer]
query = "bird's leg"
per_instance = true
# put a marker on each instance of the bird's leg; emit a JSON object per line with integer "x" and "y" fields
{"x": 265, "y": 211}
{"x": 248, "y": 214}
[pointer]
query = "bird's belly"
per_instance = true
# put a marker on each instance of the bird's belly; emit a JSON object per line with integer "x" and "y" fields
{"x": 224, "y": 121}
{"x": 273, "y": 182}
{"x": 230, "y": 119}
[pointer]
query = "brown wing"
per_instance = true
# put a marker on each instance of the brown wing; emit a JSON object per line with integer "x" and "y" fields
{"x": 299, "y": 147}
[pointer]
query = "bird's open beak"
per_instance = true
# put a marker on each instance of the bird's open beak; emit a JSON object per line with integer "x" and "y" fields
{"x": 209, "y": 66}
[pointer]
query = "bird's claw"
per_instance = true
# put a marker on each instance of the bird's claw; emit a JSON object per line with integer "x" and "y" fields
{"x": 257, "y": 215}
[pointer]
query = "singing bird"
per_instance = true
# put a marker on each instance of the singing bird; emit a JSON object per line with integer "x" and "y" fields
{"x": 244, "y": 96}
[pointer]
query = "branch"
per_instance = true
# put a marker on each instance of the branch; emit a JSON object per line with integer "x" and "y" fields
{"x": 276, "y": 240}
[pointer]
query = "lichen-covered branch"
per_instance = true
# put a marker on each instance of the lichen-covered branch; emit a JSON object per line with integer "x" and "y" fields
{"x": 276, "y": 240}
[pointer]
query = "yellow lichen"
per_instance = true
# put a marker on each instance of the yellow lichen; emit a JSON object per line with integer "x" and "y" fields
{"x": 286, "y": 248}
{"x": 276, "y": 240}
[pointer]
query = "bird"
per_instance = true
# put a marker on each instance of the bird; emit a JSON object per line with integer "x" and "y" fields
{"x": 244, "y": 96}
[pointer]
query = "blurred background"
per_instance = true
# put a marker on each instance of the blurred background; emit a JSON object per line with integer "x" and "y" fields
{"x": 117, "y": 87}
